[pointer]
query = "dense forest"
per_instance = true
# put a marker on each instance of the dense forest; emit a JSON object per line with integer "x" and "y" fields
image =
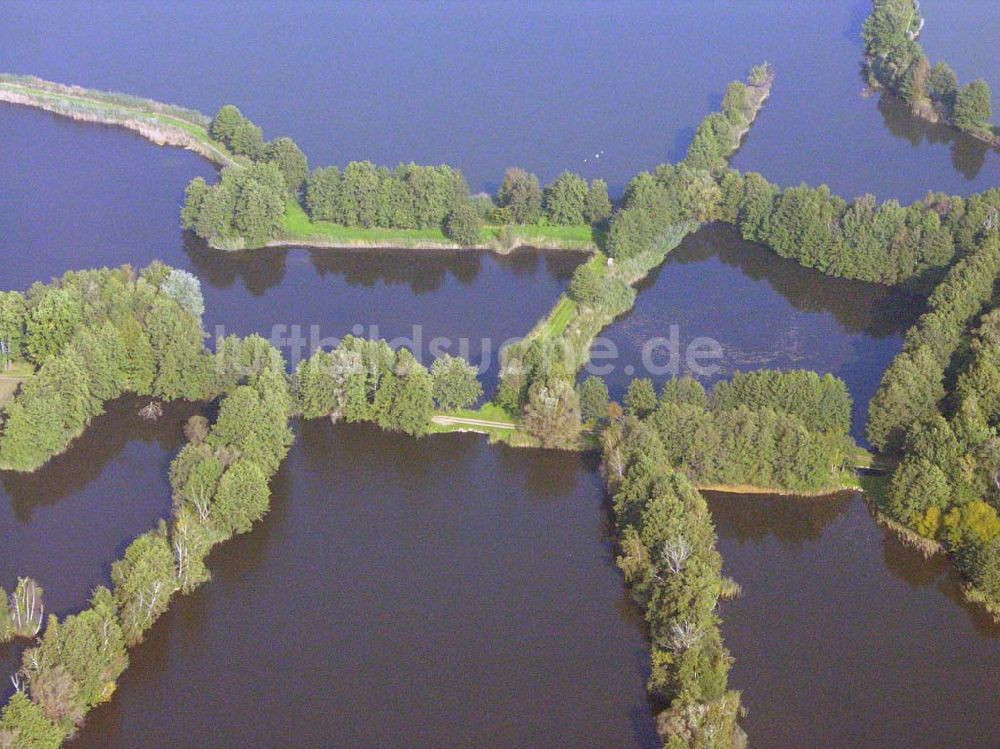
{"x": 94, "y": 335}
{"x": 897, "y": 62}
{"x": 776, "y": 431}
{"x": 668, "y": 557}
{"x": 937, "y": 411}
{"x": 366, "y": 380}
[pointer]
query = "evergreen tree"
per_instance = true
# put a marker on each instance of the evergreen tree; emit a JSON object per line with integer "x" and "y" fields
{"x": 594, "y": 400}
{"x": 974, "y": 107}
{"x": 242, "y": 499}
{"x": 565, "y": 199}
{"x": 597, "y": 206}
{"x": 291, "y": 162}
{"x": 456, "y": 384}
{"x": 463, "y": 225}
{"x": 522, "y": 195}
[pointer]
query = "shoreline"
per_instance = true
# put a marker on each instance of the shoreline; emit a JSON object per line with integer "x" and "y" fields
{"x": 154, "y": 121}
{"x": 428, "y": 245}
{"x": 750, "y": 489}
{"x": 924, "y": 115}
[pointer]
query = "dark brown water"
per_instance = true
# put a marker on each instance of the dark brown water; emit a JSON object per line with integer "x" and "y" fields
{"x": 845, "y": 637}
{"x": 401, "y": 593}
{"x": 64, "y": 524}
{"x": 442, "y": 592}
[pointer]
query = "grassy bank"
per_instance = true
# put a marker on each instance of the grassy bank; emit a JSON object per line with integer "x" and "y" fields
{"x": 576, "y": 326}
{"x": 163, "y": 124}
{"x": 492, "y": 420}
{"x": 298, "y": 229}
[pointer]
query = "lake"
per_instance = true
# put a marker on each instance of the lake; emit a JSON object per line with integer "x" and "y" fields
{"x": 442, "y": 592}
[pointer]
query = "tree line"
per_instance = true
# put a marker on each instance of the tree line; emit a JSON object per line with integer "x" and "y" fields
{"x": 785, "y": 431}
{"x": 220, "y": 484}
{"x": 883, "y": 243}
{"x": 914, "y": 384}
{"x": 937, "y": 410}
{"x": 247, "y": 206}
{"x": 668, "y": 556}
{"x": 366, "y": 380}
{"x": 718, "y": 135}
{"x": 896, "y": 61}
{"x": 94, "y": 335}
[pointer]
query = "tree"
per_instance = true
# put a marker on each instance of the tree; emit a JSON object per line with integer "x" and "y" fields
{"x": 185, "y": 289}
{"x": 594, "y": 400}
{"x": 822, "y": 402}
{"x": 983, "y": 561}
{"x": 322, "y": 194}
{"x": 888, "y": 25}
{"x": 942, "y": 86}
{"x": 405, "y": 400}
{"x": 25, "y": 725}
{"x": 565, "y": 199}
{"x": 464, "y": 225}
{"x": 260, "y": 205}
{"x": 292, "y": 163}
{"x": 255, "y": 426}
{"x": 684, "y": 390}
{"x": 27, "y": 610}
{"x": 597, "y": 206}
{"x": 521, "y": 193}
{"x": 102, "y": 353}
{"x": 242, "y": 499}
{"x": 736, "y": 102}
{"x": 245, "y": 209}
{"x": 974, "y": 107}
{"x": 632, "y": 233}
{"x": 640, "y": 398}
{"x": 553, "y": 413}
{"x": 194, "y": 201}
{"x": 183, "y": 368}
{"x": 144, "y": 579}
{"x": 224, "y": 124}
{"x": 456, "y": 384}
{"x": 248, "y": 140}
{"x": 54, "y": 314}
{"x": 917, "y": 484}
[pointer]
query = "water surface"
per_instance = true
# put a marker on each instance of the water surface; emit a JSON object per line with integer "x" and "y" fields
{"x": 764, "y": 312}
{"x": 441, "y": 592}
{"x": 401, "y": 592}
{"x": 66, "y": 523}
{"x": 547, "y": 86}
{"x": 79, "y": 195}
{"x": 845, "y": 637}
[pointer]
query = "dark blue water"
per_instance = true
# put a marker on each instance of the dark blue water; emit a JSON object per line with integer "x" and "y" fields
{"x": 546, "y": 86}
{"x": 81, "y": 195}
{"x": 753, "y": 310}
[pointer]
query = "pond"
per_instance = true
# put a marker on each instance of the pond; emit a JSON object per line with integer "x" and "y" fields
{"x": 752, "y": 309}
